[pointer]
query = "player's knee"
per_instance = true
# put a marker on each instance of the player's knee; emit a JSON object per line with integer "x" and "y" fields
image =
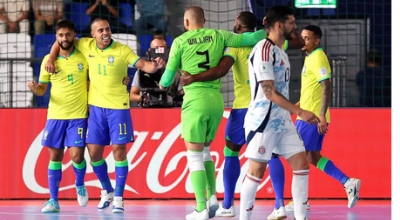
{"x": 56, "y": 154}
{"x": 233, "y": 147}
{"x": 77, "y": 158}
{"x": 95, "y": 155}
{"x": 195, "y": 161}
{"x": 312, "y": 159}
{"x": 257, "y": 171}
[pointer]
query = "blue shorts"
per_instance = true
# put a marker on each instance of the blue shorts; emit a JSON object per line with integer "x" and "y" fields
{"x": 109, "y": 126}
{"x": 61, "y": 133}
{"x": 309, "y": 133}
{"x": 234, "y": 130}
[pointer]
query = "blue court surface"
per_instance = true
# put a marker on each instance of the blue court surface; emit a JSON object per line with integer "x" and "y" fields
{"x": 177, "y": 209}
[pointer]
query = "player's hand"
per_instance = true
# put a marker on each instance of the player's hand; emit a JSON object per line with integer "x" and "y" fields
{"x": 162, "y": 87}
{"x": 186, "y": 78}
{"x": 50, "y": 67}
{"x": 126, "y": 80}
{"x": 309, "y": 117}
{"x": 158, "y": 63}
{"x": 322, "y": 126}
{"x": 32, "y": 86}
{"x": 298, "y": 103}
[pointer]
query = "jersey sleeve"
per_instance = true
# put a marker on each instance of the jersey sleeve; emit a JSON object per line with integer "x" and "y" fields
{"x": 239, "y": 40}
{"x": 82, "y": 44}
{"x": 130, "y": 57}
{"x": 231, "y": 52}
{"x": 174, "y": 62}
{"x": 44, "y": 75}
{"x": 321, "y": 68}
{"x": 265, "y": 59}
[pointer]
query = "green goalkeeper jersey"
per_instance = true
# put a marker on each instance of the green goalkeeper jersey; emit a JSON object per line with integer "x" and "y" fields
{"x": 198, "y": 50}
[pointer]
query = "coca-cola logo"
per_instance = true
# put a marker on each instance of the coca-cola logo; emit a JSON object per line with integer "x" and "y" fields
{"x": 156, "y": 164}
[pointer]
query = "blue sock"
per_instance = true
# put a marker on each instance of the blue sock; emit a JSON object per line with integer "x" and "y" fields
{"x": 121, "y": 173}
{"x": 80, "y": 171}
{"x": 329, "y": 168}
{"x": 100, "y": 169}
{"x": 54, "y": 174}
{"x": 231, "y": 175}
{"x": 277, "y": 174}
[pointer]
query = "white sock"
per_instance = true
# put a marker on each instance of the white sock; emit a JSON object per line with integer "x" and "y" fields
{"x": 248, "y": 196}
{"x": 300, "y": 193}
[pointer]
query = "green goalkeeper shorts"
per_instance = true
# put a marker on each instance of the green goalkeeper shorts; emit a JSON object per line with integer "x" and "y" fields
{"x": 202, "y": 111}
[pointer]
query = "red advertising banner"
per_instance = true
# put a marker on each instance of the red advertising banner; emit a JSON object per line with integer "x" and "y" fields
{"x": 358, "y": 142}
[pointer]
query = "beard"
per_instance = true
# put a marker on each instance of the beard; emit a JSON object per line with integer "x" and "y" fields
{"x": 235, "y": 30}
{"x": 184, "y": 29}
{"x": 288, "y": 36}
{"x": 67, "y": 47}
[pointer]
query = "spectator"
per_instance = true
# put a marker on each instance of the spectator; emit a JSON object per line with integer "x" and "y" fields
{"x": 151, "y": 17}
{"x": 175, "y": 91}
{"x": 107, "y": 9}
{"x": 14, "y": 16}
{"x": 374, "y": 83}
{"x": 47, "y": 14}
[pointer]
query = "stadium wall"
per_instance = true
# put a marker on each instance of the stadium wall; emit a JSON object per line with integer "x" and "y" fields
{"x": 358, "y": 141}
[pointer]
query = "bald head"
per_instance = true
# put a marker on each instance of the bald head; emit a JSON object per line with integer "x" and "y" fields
{"x": 195, "y": 15}
{"x": 157, "y": 42}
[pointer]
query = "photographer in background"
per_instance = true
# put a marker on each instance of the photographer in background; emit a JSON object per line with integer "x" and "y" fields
{"x": 145, "y": 91}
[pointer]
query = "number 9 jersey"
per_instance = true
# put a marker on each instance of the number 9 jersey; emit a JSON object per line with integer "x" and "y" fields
{"x": 268, "y": 62}
{"x": 68, "y": 94}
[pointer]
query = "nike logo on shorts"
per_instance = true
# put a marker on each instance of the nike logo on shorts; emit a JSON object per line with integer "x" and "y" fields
{"x": 77, "y": 142}
{"x": 122, "y": 138}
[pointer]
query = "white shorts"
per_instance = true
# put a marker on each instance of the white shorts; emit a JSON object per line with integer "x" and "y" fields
{"x": 261, "y": 146}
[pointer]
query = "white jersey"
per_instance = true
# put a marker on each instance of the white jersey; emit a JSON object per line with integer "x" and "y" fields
{"x": 268, "y": 62}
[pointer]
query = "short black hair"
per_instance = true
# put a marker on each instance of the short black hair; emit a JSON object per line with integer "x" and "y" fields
{"x": 98, "y": 19}
{"x": 315, "y": 29}
{"x": 374, "y": 56}
{"x": 278, "y": 13}
{"x": 247, "y": 19}
{"x": 65, "y": 24}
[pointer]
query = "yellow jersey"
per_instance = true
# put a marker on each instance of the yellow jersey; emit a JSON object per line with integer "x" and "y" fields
{"x": 68, "y": 94}
{"x": 316, "y": 69}
{"x": 107, "y": 69}
{"x": 241, "y": 75}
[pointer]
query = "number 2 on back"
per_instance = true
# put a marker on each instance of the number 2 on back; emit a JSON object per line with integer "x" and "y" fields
{"x": 206, "y": 64}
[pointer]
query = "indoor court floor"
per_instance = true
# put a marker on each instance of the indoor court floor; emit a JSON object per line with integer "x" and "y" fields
{"x": 177, "y": 210}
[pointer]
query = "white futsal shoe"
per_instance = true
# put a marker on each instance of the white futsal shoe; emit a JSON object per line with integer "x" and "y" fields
{"x": 290, "y": 206}
{"x": 212, "y": 206}
{"x": 352, "y": 187}
{"x": 51, "y": 206}
{"x": 278, "y": 214}
{"x": 83, "y": 197}
{"x": 118, "y": 205}
{"x": 195, "y": 215}
{"x": 223, "y": 212}
{"x": 105, "y": 201}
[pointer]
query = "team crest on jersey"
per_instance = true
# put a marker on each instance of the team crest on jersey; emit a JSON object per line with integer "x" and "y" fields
{"x": 45, "y": 135}
{"x": 111, "y": 59}
{"x": 80, "y": 67}
{"x": 261, "y": 150}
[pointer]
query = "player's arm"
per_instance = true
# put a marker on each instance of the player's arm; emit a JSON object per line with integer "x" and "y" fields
{"x": 44, "y": 79}
{"x": 212, "y": 74}
{"x": 240, "y": 40}
{"x": 150, "y": 67}
{"x": 174, "y": 62}
{"x": 326, "y": 96}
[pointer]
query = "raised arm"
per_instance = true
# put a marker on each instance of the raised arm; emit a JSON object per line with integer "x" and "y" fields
{"x": 55, "y": 49}
{"x": 212, "y": 74}
{"x": 239, "y": 40}
{"x": 150, "y": 67}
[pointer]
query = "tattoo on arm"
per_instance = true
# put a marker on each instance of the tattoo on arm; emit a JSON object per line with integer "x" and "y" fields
{"x": 326, "y": 96}
{"x": 267, "y": 88}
